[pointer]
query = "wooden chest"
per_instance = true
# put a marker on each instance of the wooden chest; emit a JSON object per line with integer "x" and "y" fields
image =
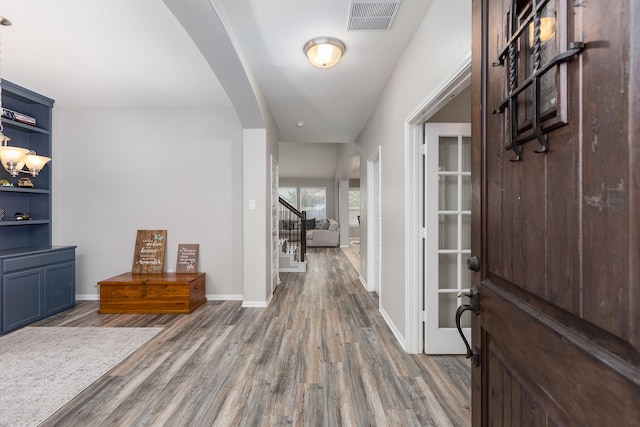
{"x": 152, "y": 293}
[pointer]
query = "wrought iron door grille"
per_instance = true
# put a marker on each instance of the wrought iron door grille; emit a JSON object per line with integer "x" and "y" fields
{"x": 535, "y": 30}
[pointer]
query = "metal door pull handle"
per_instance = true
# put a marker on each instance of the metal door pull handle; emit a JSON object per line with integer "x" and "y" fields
{"x": 473, "y": 294}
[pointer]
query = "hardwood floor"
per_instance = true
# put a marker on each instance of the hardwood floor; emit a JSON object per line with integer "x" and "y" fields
{"x": 319, "y": 355}
{"x": 353, "y": 253}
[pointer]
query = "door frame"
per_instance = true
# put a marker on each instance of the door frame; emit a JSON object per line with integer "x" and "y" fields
{"x": 275, "y": 236}
{"x": 455, "y": 83}
{"x": 372, "y": 286}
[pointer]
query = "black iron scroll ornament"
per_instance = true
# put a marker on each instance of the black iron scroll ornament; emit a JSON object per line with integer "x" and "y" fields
{"x": 510, "y": 53}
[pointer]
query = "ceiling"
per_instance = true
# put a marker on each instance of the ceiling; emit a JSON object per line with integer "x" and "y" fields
{"x": 105, "y": 54}
{"x": 135, "y": 54}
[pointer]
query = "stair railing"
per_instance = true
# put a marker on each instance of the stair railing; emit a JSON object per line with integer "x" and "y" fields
{"x": 293, "y": 227}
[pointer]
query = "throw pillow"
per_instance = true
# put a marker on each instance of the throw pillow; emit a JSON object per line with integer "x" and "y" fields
{"x": 334, "y": 226}
{"x": 324, "y": 225}
{"x": 310, "y": 224}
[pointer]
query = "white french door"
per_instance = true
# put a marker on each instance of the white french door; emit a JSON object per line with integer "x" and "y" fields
{"x": 447, "y": 243}
{"x": 275, "y": 204}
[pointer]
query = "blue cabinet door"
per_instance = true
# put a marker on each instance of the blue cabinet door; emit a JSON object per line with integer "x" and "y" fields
{"x": 59, "y": 288}
{"x": 22, "y": 298}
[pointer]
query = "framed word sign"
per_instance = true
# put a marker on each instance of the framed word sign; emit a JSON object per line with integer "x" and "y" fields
{"x": 187, "y": 258}
{"x": 148, "y": 256}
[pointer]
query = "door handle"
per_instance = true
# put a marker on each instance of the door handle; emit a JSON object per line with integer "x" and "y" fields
{"x": 473, "y": 263}
{"x": 473, "y": 294}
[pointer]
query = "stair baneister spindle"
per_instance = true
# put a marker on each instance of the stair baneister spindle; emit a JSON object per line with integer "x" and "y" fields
{"x": 293, "y": 230}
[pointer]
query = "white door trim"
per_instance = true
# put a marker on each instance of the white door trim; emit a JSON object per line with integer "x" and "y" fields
{"x": 275, "y": 253}
{"x": 453, "y": 85}
{"x": 371, "y": 185}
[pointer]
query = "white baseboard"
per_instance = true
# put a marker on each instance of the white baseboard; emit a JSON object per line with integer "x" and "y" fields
{"x": 344, "y": 246}
{"x": 221, "y": 297}
{"x": 270, "y": 298}
{"x": 255, "y": 304}
{"x": 87, "y": 297}
{"x": 364, "y": 282}
{"x": 394, "y": 329}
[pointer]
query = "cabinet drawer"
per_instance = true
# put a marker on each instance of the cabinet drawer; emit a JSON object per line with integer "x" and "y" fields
{"x": 37, "y": 260}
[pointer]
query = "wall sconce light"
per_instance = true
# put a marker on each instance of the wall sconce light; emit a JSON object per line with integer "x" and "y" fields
{"x": 324, "y": 52}
{"x": 14, "y": 159}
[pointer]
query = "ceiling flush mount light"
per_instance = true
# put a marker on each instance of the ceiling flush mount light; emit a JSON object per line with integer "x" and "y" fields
{"x": 14, "y": 159}
{"x": 324, "y": 52}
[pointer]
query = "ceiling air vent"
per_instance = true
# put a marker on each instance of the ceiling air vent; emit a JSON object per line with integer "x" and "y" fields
{"x": 372, "y": 15}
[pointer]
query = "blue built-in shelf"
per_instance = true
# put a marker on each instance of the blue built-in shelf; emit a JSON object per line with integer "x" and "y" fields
{"x": 36, "y": 278}
{"x": 24, "y": 190}
{"x": 23, "y": 126}
{"x": 6, "y": 223}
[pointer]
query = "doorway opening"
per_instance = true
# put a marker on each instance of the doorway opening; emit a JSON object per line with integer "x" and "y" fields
{"x": 448, "y": 103}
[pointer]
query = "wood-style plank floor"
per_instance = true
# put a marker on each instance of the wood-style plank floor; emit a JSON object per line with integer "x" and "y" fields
{"x": 319, "y": 355}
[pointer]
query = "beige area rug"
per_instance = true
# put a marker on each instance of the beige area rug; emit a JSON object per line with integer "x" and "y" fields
{"x": 42, "y": 368}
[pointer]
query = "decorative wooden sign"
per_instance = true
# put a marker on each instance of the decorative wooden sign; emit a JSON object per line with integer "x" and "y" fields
{"x": 148, "y": 257}
{"x": 187, "y": 258}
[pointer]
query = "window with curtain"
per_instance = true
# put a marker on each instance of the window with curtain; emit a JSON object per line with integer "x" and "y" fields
{"x": 313, "y": 200}
{"x": 289, "y": 195}
{"x": 354, "y": 206}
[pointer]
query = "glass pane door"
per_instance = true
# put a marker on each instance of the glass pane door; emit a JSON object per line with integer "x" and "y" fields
{"x": 448, "y": 232}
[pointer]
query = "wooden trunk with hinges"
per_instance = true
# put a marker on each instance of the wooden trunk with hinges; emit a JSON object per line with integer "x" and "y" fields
{"x": 166, "y": 293}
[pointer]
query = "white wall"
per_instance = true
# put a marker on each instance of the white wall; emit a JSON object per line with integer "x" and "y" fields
{"x": 117, "y": 171}
{"x": 213, "y": 33}
{"x": 345, "y": 164}
{"x": 308, "y": 160}
{"x": 258, "y": 147}
{"x": 255, "y": 235}
{"x": 438, "y": 48}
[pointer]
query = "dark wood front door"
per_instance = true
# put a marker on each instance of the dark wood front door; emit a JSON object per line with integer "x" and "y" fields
{"x": 556, "y": 212}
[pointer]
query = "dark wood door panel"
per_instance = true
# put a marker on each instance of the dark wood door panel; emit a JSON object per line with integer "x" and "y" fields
{"x": 538, "y": 369}
{"x": 514, "y": 401}
{"x": 608, "y": 94}
{"x": 558, "y": 223}
{"x": 557, "y": 234}
{"x": 529, "y": 217}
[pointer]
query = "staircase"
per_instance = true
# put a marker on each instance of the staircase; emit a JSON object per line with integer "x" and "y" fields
{"x": 292, "y": 244}
{"x": 289, "y": 258}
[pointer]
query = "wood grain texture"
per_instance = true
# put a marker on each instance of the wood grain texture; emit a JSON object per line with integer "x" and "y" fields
{"x": 320, "y": 354}
{"x": 148, "y": 255}
{"x": 169, "y": 293}
{"x": 557, "y": 233}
